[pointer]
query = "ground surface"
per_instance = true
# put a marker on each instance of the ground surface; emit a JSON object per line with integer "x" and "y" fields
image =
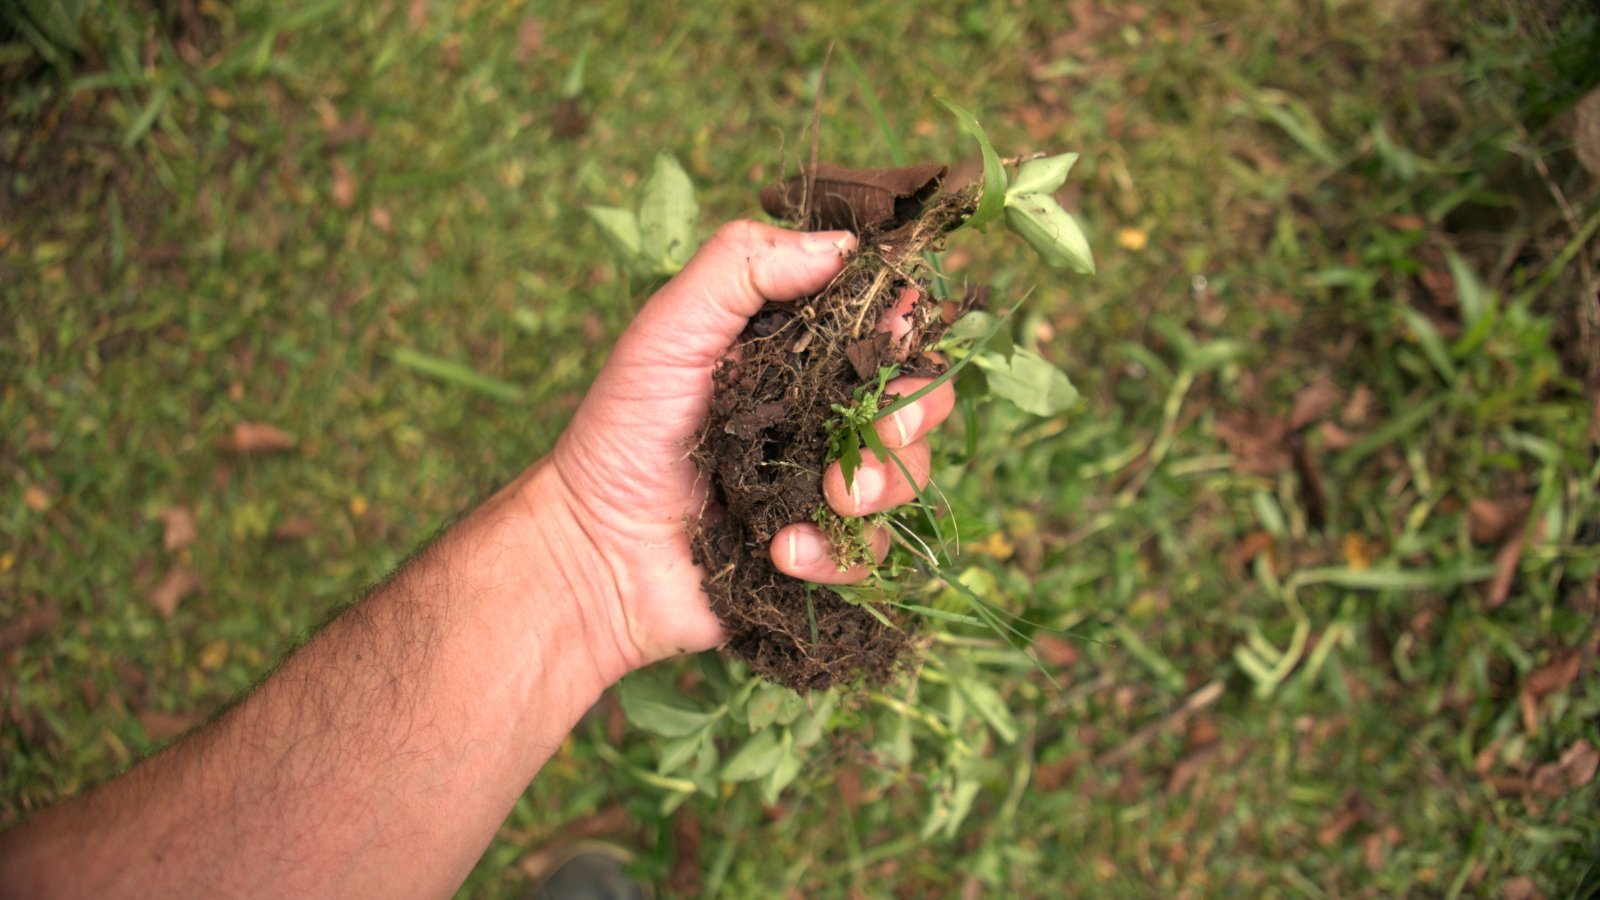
{"x": 1326, "y": 518}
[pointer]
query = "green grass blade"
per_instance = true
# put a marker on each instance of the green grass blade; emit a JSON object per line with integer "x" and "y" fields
{"x": 457, "y": 374}
{"x": 869, "y": 97}
{"x": 993, "y": 199}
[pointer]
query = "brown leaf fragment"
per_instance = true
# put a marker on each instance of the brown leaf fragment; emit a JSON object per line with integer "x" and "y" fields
{"x": 1490, "y": 521}
{"x": 1313, "y": 403}
{"x": 1580, "y": 763}
{"x": 343, "y": 190}
{"x": 178, "y": 528}
{"x": 1520, "y": 887}
{"x": 869, "y": 354}
{"x": 29, "y": 625}
{"x": 1056, "y": 652}
{"x": 164, "y": 726}
{"x": 1505, "y": 572}
{"x": 569, "y": 121}
{"x": 36, "y": 498}
{"x": 251, "y": 438}
{"x": 295, "y": 528}
{"x": 1559, "y": 673}
{"x": 178, "y": 583}
{"x": 1191, "y": 769}
{"x": 530, "y": 41}
{"x": 830, "y": 197}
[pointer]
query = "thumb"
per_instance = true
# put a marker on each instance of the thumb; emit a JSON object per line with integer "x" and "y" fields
{"x": 695, "y": 316}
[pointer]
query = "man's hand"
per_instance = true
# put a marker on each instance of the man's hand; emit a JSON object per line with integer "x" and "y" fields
{"x": 624, "y": 464}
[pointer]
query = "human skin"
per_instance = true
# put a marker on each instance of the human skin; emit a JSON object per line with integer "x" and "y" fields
{"x": 379, "y": 759}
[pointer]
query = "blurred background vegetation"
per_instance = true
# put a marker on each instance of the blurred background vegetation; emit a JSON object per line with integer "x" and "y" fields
{"x": 285, "y": 285}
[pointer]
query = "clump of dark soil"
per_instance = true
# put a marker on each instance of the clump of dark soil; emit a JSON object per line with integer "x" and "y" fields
{"x": 765, "y": 444}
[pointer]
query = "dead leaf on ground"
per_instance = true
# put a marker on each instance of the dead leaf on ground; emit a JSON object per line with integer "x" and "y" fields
{"x": 1255, "y": 442}
{"x": 1491, "y": 521}
{"x": 1505, "y": 572}
{"x": 1520, "y": 887}
{"x": 29, "y": 625}
{"x": 179, "y": 583}
{"x": 178, "y": 528}
{"x": 1586, "y": 132}
{"x": 164, "y": 726}
{"x": 1574, "y": 770}
{"x": 569, "y": 121}
{"x": 1313, "y": 403}
{"x": 295, "y": 528}
{"x": 344, "y": 185}
{"x": 833, "y": 197}
{"x": 1191, "y": 769}
{"x": 1556, "y": 675}
{"x": 252, "y": 438}
{"x": 1353, "y": 810}
{"x": 1055, "y": 651}
{"x": 530, "y": 40}
{"x": 1358, "y": 407}
{"x": 36, "y": 498}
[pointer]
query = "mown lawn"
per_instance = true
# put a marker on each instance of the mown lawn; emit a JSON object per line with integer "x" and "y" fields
{"x": 1324, "y": 528}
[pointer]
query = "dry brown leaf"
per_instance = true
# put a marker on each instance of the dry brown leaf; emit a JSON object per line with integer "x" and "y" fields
{"x": 179, "y": 583}
{"x": 344, "y": 185}
{"x": 569, "y": 121}
{"x": 294, "y": 528}
{"x": 1334, "y": 437}
{"x": 1313, "y": 403}
{"x": 1520, "y": 887}
{"x": 1191, "y": 769}
{"x": 1559, "y": 673}
{"x": 36, "y": 498}
{"x": 530, "y": 40}
{"x": 178, "y": 528}
{"x": 1491, "y": 521}
{"x": 1586, "y": 132}
{"x": 1358, "y": 407}
{"x": 1580, "y": 762}
{"x": 250, "y": 438}
{"x": 1505, "y": 571}
{"x": 164, "y": 726}
{"x": 832, "y": 197}
{"x": 28, "y": 626}
{"x": 1055, "y": 651}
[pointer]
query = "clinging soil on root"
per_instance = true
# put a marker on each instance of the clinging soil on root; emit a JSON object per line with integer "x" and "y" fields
{"x": 765, "y": 443}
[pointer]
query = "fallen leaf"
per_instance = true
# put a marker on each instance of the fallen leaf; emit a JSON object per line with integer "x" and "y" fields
{"x": 1580, "y": 762}
{"x": 251, "y": 438}
{"x": 417, "y": 14}
{"x": 164, "y": 726}
{"x": 1358, "y": 551}
{"x": 1556, "y": 675}
{"x": 344, "y": 185}
{"x": 179, "y": 583}
{"x": 1491, "y": 521}
{"x": 831, "y": 197}
{"x": 569, "y": 121}
{"x": 1520, "y": 887}
{"x": 530, "y": 40}
{"x": 178, "y": 528}
{"x": 36, "y": 498}
{"x": 1056, "y": 651}
{"x": 1334, "y": 437}
{"x": 213, "y": 656}
{"x": 1358, "y": 407}
{"x": 1253, "y": 545}
{"x": 1586, "y": 132}
{"x": 1505, "y": 571}
{"x": 28, "y": 626}
{"x": 294, "y": 528}
{"x": 1313, "y": 403}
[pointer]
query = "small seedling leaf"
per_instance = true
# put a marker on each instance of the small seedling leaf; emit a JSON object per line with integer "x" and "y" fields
{"x": 973, "y": 327}
{"x": 1042, "y": 176}
{"x": 813, "y": 723}
{"x": 677, "y": 752}
{"x": 621, "y": 229}
{"x": 1052, "y": 231}
{"x": 772, "y": 704}
{"x": 756, "y": 758}
{"x": 1029, "y": 381}
{"x": 993, "y": 198}
{"x": 667, "y": 214}
{"x": 782, "y": 774}
{"x": 659, "y": 708}
{"x": 850, "y": 456}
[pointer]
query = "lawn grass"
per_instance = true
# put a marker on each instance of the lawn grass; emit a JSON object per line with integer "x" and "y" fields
{"x": 1296, "y": 674}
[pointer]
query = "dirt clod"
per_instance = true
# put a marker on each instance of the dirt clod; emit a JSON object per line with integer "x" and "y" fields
{"x": 765, "y": 444}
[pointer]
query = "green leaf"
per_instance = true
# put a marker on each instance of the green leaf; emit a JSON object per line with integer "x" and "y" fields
{"x": 994, "y": 173}
{"x": 782, "y": 774}
{"x": 772, "y": 704}
{"x": 756, "y": 758}
{"x": 678, "y": 751}
{"x": 987, "y": 701}
{"x": 667, "y": 213}
{"x": 1042, "y": 176}
{"x": 973, "y": 327}
{"x": 1029, "y": 381}
{"x": 1052, "y": 231}
{"x": 457, "y": 374}
{"x": 1472, "y": 294}
{"x": 813, "y": 723}
{"x": 874, "y": 443}
{"x": 659, "y": 708}
{"x": 620, "y": 227}
{"x": 850, "y": 456}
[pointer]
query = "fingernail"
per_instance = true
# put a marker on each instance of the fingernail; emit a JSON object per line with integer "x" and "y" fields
{"x": 803, "y": 552}
{"x": 835, "y": 242}
{"x": 867, "y": 486}
{"x": 907, "y": 421}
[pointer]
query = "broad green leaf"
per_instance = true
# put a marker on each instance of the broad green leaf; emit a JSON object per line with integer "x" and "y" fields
{"x": 973, "y": 327}
{"x": 788, "y": 766}
{"x": 620, "y": 227}
{"x": 1042, "y": 176}
{"x": 1029, "y": 381}
{"x": 994, "y": 173}
{"x": 667, "y": 213}
{"x": 659, "y": 708}
{"x": 678, "y": 751}
{"x": 756, "y": 758}
{"x": 1052, "y": 231}
{"x": 850, "y": 456}
{"x": 874, "y": 443}
{"x": 772, "y": 704}
{"x": 813, "y": 723}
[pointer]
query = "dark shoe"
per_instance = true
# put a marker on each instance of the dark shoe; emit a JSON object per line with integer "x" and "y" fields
{"x": 587, "y": 871}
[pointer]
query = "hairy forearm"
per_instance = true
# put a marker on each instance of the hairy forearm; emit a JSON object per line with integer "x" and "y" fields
{"x": 379, "y": 759}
